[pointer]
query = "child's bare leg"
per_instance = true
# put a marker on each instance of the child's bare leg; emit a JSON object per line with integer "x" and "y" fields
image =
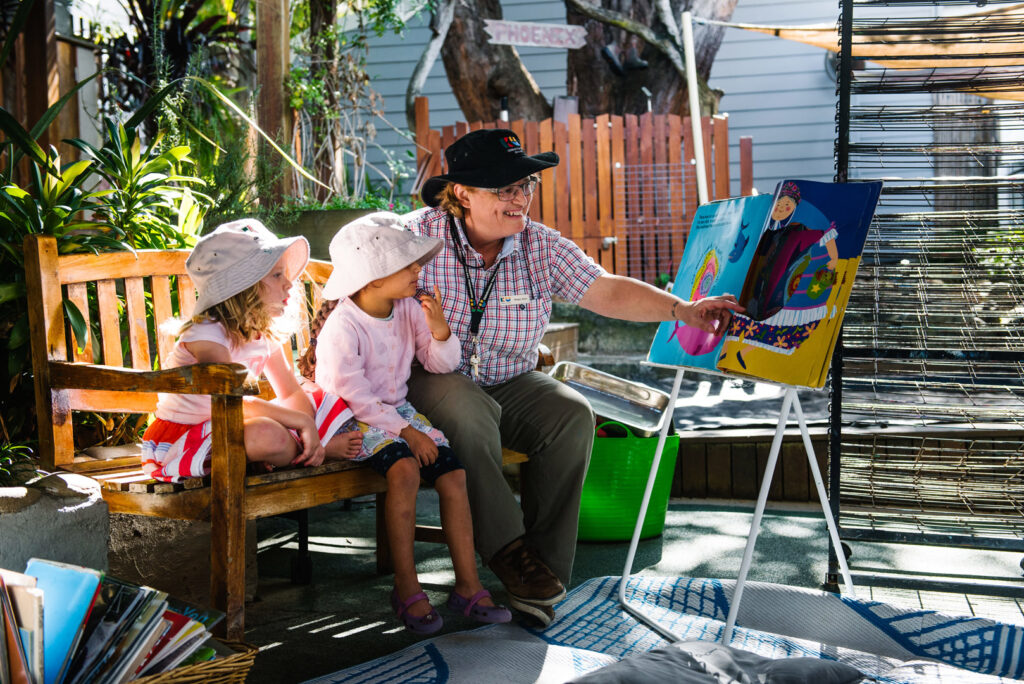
{"x": 400, "y": 517}
{"x": 268, "y": 441}
{"x": 343, "y": 445}
{"x": 458, "y": 532}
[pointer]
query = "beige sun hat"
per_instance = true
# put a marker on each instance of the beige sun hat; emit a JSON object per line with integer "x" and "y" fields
{"x": 236, "y": 256}
{"x": 372, "y": 247}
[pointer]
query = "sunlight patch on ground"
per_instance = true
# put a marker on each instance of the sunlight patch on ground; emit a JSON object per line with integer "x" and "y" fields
{"x": 350, "y": 632}
{"x": 332, "y": 625}
{"x": 311, "y": 622}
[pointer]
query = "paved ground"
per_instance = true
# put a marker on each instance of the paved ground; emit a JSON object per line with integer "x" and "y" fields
{"x": 343, "y": 619}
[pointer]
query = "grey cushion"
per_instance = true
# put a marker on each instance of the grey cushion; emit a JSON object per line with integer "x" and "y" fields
{"x": 703, "y": 662}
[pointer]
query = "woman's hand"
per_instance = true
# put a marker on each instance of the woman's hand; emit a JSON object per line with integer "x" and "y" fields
{"x": 422, "y": 447}
{"x": 434, "y": 315}
{"x": 710, "y": 314}
{"x": 312, "y": 450}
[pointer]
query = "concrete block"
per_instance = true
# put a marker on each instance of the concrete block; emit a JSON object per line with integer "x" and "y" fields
{"x": 61, "y": 517}
{"x": 171, "y": 555}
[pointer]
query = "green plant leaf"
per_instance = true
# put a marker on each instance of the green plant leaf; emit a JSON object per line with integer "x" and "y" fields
{"x": 54, "y": 110}
{"x": 152, "y": 103}
{"x": 11, "y": 291}
{"x": 19, "y": 333}
{"x": 24, "y": 142}
{"x": 78, "y": 324}
{"x": 14, "y": 30}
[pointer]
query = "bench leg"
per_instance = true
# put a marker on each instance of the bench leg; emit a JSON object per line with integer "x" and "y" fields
{"x": 384, "y": 562}
{"x": 302, "y": 562}
{"x": 227, "y": 515}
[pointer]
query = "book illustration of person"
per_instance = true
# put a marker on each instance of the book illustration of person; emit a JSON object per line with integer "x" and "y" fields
{"x": 695, "y": 341}
{"x": 786, "y": 293}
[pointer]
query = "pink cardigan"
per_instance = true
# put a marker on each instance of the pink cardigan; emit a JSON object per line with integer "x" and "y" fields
{"x": 367, "y": 361}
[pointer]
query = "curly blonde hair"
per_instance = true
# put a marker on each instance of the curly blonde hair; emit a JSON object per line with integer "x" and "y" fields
{"x": 447, "y": 200}
{"x": 244, "y": 316}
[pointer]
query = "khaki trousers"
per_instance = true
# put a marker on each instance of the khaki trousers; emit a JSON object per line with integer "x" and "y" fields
{"x": 535, "y": 414}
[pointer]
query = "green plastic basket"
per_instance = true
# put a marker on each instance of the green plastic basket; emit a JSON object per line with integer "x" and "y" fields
{"x": 615, "y": 483}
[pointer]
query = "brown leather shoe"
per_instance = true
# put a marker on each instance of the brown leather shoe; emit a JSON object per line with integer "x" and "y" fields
{"x": 525, "y": 576}
{"x": 532, "y": 614}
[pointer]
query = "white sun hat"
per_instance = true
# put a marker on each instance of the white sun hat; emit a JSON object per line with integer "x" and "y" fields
{"x": 373, "y": 247}
{"x": 236, "y": 256}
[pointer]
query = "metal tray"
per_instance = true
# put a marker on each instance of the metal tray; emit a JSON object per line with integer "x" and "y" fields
{"x": 640, "y": 407}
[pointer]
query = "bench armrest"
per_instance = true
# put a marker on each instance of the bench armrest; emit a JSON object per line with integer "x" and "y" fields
{"x": 202, "y": 378}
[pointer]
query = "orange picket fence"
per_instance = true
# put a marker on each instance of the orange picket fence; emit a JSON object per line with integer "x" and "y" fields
{"x": 626, "y": 187}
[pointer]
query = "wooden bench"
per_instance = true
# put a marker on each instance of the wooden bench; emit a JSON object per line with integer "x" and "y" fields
{"x": 120, "y": 294}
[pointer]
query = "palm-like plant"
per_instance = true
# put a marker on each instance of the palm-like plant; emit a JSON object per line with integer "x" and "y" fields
{"x": 149, "y": 202}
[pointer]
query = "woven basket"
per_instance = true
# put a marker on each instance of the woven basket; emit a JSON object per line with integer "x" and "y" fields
{"x": 234, "y": 668}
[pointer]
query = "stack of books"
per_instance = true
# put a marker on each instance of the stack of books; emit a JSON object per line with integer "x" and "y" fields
{"x": 65, "y": 624}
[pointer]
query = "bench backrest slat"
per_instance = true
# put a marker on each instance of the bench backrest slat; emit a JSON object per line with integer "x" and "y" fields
{"x": 138, "y": 331}
{"x": 119, "y": 295}
{"x": 162, "y": 311}
{"x": 78, "y": 293}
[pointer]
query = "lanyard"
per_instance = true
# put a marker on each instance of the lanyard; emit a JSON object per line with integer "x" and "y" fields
{"x": 476, "y": 306}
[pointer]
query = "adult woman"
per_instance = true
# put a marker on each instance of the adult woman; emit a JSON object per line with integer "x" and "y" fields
{"x": 497, "y": 273}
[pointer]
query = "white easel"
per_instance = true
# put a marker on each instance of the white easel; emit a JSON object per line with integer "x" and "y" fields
{"x": 790, "y": 401}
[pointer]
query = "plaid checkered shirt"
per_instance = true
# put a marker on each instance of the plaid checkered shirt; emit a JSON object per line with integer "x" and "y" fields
{"x": 534, "y": 265}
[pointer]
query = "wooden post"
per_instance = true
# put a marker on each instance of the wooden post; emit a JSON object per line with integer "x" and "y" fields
{"x": 721, "y": 154}
{"x": 40, "y": 72}
{"x": 746, "y": 165}
{"x": 421, "y": 110}
{"x": 272, "y": 62}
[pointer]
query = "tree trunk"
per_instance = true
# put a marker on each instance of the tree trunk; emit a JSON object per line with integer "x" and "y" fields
{"x": 323, "y": 57}
{"x": 480, "y": 74}
{"x": 591, "y": 79}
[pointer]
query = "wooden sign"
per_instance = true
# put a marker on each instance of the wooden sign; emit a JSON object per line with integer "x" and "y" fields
{"x": 565, "y": 36}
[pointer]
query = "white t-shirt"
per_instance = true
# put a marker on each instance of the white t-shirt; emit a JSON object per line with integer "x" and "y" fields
{"x": 190, "y": 409}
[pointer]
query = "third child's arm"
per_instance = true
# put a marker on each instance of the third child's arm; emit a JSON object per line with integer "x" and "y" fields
{"x": 436, "y": 347}
{"x": 301, "y": 421}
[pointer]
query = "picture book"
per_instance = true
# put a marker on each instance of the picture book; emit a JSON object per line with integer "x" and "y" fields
{"x": 789, "y": 259}
{"x": 68, "y": 594}
{"x": 120, "y": 653}
{"x": 17, "y": 671}
{"x": 208, "y": 616}
{"x": 27, "y": 603}
{"x": 117, "y": 606}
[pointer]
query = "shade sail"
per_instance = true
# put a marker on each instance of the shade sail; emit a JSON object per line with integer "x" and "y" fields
{"x": 979, "y": 49}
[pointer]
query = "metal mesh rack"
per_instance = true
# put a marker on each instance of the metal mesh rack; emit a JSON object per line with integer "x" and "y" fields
{"x": 654, "y": 218}
{"x": 927, "y": 419}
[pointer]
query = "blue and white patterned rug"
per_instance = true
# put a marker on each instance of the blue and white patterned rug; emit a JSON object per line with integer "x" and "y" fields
{"x": 886, "y": 643}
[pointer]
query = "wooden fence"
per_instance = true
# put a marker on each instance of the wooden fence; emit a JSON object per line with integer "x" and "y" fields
{"x": 626, "y": 187}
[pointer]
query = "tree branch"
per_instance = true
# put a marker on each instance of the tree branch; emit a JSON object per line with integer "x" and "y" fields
{"x": 440, "y": 23}
{"x": 670, "y": 48}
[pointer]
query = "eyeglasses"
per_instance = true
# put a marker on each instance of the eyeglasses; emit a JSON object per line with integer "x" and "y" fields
{"x": 508, "y": 193}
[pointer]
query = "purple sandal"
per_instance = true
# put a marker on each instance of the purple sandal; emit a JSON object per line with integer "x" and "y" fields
{"x": 470, "y": 607}
{"x": 431, "y": 623}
